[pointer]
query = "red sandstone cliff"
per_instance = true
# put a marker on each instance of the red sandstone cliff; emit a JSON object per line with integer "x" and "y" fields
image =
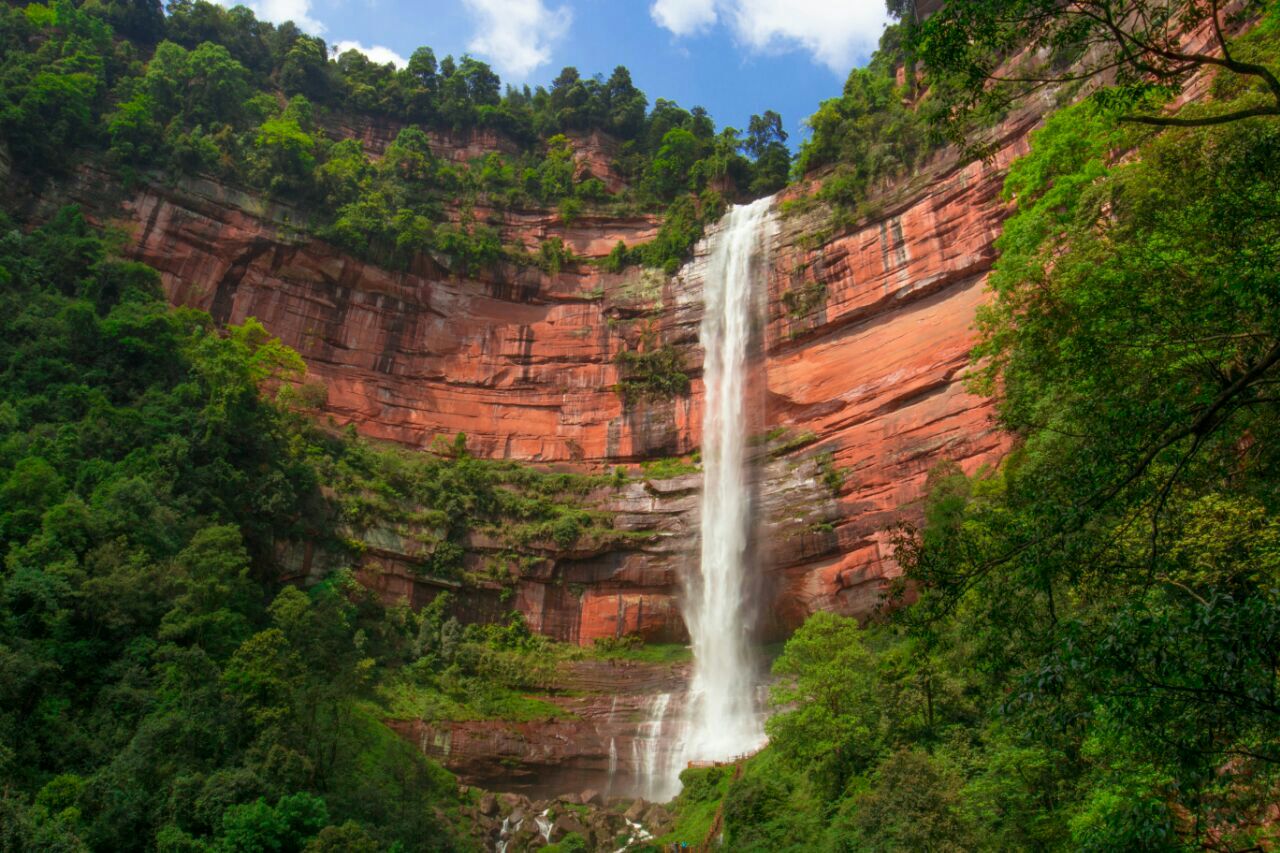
{"x": 869, "y": 353}
{"x": 523, "y": 362}
{"x": 873, "y": 362}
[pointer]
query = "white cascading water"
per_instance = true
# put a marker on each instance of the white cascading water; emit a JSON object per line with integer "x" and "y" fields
{"x": 544, "y": 825}
{"x": 722, "y": 719}
{"x": 646, "y": 750}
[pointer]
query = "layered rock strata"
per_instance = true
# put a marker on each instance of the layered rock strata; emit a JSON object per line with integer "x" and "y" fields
{"x": 615, "y": 725}
{"x": 862, "y": 360}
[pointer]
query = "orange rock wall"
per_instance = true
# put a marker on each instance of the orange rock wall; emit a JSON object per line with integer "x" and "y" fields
{"x": 876, "y": 370}
{"x": 523, "y": 362}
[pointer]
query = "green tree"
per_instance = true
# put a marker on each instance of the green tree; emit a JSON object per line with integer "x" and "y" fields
{"x": 913, "y": 804}
{"x": 829, "y": 676}
{"x": 285, "y": 827}
{"x": 49, "y": 116}
{"x": 350, "y": 837}
{"x": 216, "y": 597}
{"x": 214, "y": 86}
{"x": 284, "y": 158}
{"x": 766, "y": 143}
{"x": 1140, "y": 42}
{"x": 423, "y": 87}
{"x": 32, "y": 487}
{"x": 624, "y": 104}
{"x": 556, "y": 172}
{"x": 668, "y": 173}
{"x": 136, "y": 19}
{"x": 136, "y": 135}
{"x": 305, "y": 70}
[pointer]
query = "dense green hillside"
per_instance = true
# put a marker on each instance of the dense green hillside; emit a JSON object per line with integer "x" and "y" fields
{"x": 160, "y": 686}
{"x": 214, "y": 91}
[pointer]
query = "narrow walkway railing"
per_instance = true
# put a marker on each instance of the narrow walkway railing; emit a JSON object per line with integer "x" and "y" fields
{"x": 717, "y": 822}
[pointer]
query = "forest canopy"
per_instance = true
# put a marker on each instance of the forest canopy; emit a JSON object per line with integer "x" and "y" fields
{"x": 206, "y": 90}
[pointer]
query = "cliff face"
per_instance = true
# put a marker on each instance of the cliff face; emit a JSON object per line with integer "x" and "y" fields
{"x": 614, "y": 728}
{"x": 867, "y": 345}
{"x": 519, "y": 360}
{"x": 861, "y": 363}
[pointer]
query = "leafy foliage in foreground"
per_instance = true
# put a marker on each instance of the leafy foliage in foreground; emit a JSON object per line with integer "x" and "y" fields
{"x": 999, "y": 50}
{"x": 1092, "y": 663}
{"x": 162, "y": 690}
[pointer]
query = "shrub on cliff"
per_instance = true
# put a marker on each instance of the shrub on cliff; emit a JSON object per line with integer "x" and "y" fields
{"x": 655, "y": 374}
{"x": 871, "y": 132}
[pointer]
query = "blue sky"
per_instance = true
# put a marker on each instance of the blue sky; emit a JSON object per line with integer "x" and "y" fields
{"x": 735, "y": 57}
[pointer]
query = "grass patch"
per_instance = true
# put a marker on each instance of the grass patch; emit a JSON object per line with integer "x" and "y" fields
{"x": 703, "y": 790}
{"x": 432, "y": 501}
{"x": 461, "y": 701}
{"x": 805, "y": 299}
{"x": 797, "y": 206}
{"x": 787, "y": 444}
{"x": 669, "y": 467}
{"x": 632, "y": 648}
{"x": 787, "y": 819}
{"x": 656, "y": 374}
{"x": 814, "y": 239}
{"x": 832, "y": 476}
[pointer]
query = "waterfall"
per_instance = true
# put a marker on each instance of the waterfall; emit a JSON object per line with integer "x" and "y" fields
{"x": 722, "y": 718}
{"x": 647, "y": 753}
{"x": 544, "y": 825}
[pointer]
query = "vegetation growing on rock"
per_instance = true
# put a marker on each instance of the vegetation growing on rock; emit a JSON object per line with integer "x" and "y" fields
{"x": 1090, "y": 656}
{"x": 167, "y": 688}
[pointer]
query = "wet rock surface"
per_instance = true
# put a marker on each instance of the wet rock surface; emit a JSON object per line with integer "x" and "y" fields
{"x": 615, "y": 728}
{"x": 522, "y": 824}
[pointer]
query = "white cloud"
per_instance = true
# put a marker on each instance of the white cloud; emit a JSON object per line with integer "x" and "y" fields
{"x": 377, "y": 53}
{"x": 684, "y": 17}
{"x": 516, "y": 36}
{"x": 836, "y": 34}
{"x": 279, "y": 11}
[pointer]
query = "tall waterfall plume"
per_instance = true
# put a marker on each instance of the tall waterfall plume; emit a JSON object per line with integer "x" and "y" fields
{"x": 722, "y": 718}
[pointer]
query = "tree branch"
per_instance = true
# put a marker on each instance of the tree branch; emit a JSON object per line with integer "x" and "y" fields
{"x": 1204, "y": 121}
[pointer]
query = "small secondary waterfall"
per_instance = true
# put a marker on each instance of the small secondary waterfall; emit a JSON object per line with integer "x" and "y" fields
{"x": 722, "y": 718}
{"x": 646, "y": 751}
